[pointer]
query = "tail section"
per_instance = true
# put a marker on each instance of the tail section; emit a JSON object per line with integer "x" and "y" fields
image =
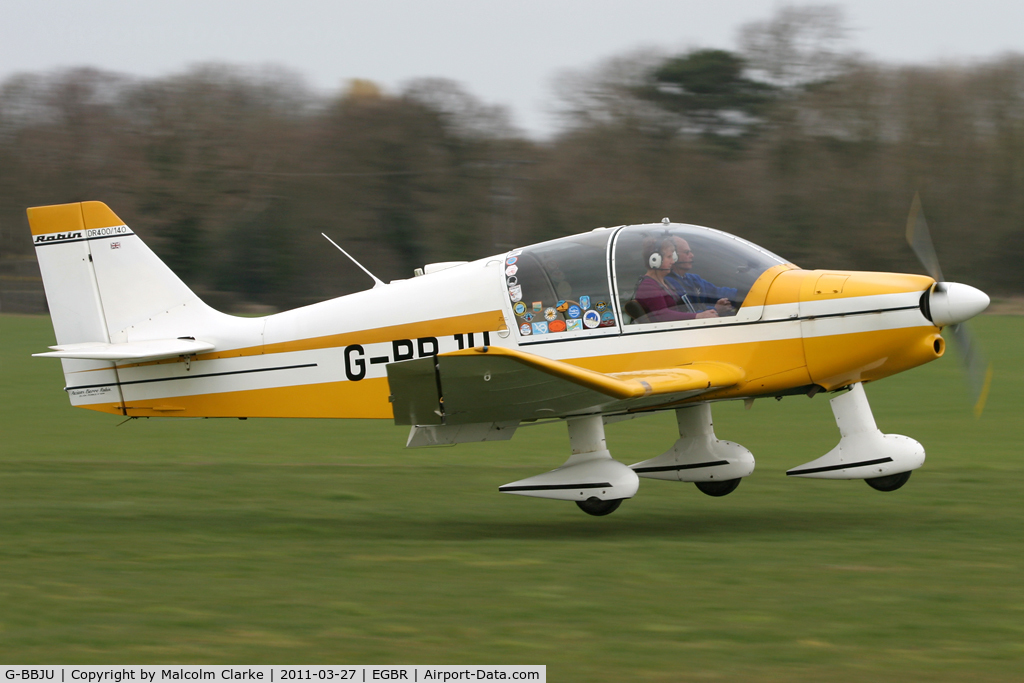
{"x": 102, "y": 283}
{"x": 111, "y": 298}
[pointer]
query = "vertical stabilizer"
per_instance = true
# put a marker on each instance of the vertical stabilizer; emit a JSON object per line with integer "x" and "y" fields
{"x": 104, "y": 285}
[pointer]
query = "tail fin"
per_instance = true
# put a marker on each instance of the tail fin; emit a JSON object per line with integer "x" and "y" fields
{"x": 105, "y": 288}
{"x": 101, "y": 281}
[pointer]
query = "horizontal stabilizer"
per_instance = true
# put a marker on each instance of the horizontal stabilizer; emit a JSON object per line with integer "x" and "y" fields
{"x": 140, "y": 350}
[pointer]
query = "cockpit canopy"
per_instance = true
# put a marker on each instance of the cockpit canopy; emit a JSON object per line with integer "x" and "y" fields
{"x": 584, "y": 284}
{"x": 709, "y": 265}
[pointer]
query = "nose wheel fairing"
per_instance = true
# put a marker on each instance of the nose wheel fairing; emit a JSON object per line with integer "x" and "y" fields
{"x": 864, "y": 452}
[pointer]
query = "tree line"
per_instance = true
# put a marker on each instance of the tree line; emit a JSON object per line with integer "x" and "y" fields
{"x": 790, "y": 141}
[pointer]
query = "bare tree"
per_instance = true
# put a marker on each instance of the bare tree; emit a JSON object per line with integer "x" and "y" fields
{"x": 798, "y": 46}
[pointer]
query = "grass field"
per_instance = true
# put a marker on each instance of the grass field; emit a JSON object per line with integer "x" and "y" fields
{"x": 206, "y": 541}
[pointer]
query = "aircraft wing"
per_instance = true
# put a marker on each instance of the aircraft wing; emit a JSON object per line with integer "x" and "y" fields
{"x": 148, "y": 350}
{"x": 493, "y": 384}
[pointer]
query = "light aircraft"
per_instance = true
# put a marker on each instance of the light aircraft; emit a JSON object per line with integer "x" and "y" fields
{"x": 471, "y": 351}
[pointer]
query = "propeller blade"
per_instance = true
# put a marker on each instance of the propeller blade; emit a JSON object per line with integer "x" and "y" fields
{"x": 979, "y": 370}
{"x": 920, "y": 240}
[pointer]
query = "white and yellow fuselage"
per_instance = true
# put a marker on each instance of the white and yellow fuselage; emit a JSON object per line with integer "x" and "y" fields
{"x": 468, "y": 352}
{"x": 796, "y": 329}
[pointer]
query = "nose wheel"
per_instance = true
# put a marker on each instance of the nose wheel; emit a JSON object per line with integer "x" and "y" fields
{"x": 598, "y": 507}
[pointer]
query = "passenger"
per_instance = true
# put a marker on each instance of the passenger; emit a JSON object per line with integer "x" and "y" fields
{"x": 658, "y": 299}
{"x": 700, "y": 294}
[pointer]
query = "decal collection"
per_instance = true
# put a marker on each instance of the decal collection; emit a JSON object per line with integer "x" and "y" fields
{"x": 537, "y": 318}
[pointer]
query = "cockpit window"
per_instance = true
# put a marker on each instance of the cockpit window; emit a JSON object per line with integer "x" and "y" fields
{"x": 561, "y": 287}
{"x": 669, "y": 273}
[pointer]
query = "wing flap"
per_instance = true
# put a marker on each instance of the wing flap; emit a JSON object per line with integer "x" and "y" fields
{"x": 140, "y": 350}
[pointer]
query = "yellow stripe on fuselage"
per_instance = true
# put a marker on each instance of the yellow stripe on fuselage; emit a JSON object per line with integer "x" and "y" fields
{"x": 776, "y": 366}
{"x": 772, "y": 367}
{"x": 366, "y": 398}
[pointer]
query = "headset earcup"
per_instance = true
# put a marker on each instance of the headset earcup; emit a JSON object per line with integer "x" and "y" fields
{"x": 655, "y": 260}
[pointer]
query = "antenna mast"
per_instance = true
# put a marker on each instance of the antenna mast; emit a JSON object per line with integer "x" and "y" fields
{"x": 376, "y": 282}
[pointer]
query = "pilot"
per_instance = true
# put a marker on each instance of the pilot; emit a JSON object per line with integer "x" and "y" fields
{"x": 697, "y": 292}
{"x": 658, "y": 299}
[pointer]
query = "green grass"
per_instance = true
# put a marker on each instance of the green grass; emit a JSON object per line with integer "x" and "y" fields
{"x": 206, "y": 541}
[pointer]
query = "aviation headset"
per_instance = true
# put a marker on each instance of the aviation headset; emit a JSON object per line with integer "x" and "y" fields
{"x": 654, "y": 261}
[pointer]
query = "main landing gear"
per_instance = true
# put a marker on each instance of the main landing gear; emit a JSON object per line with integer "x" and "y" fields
{"x": 590, "y": 477}
{"x": 718, "y": 488}
{"x": 889, "y": 483}
{"x": 716, "y": 467}
{"x": 597, "y": 507}
{"x": 598, "y": 484}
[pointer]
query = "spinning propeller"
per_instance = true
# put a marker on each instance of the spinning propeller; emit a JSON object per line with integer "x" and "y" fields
{"x": 952, "y": 304}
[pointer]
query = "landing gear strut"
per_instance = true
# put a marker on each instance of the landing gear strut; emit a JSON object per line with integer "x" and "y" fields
{"x": 883, "y": 460}
{"x": 590, "y": 477}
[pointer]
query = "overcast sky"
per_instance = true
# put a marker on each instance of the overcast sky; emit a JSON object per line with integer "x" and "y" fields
{"x": 504, "y": 52}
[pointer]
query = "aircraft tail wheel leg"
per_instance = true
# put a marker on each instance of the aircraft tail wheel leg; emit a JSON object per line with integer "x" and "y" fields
{"x": 597, "y": 507}
{"x": 718, "y": 488}
{"x": 889, "y": 483}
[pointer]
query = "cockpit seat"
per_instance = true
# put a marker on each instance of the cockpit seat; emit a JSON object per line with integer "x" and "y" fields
{"x": 635, "y": 310}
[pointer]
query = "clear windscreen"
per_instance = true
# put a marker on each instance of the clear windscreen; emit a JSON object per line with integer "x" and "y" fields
{"x": 707, "y": 266}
